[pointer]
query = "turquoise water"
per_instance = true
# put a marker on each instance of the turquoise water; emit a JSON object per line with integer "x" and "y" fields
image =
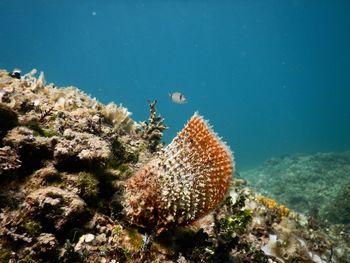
{"x": 272, "y": 76}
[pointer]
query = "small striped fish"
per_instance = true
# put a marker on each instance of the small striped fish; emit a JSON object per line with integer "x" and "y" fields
{"x": 178, "y": 97}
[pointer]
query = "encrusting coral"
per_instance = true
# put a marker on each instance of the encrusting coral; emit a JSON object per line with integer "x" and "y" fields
{"x": 185, "y": 181}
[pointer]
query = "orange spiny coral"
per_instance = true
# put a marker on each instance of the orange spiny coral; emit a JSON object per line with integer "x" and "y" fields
{"x": 184, "y": 182}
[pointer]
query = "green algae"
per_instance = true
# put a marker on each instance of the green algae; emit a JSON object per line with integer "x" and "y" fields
{"x": 89, "y": 186}
{"x": 234, "y": 225}
{"x": 69, "y": 255}
{"x": 27, "y": 259}
{"x": 135, "y": 238}
{"x": 49, "y": 132}
{"x": 121, "y": 154}
{"x": 34, "y": 126}
{"x": 117, "y": 230}
{"x": 38, "y": 130}
{"x": 5, "y": 254}
{"x": 32, "y": 227}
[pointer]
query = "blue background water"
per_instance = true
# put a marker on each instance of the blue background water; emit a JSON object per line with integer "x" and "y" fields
{"x": 272, "y": 76}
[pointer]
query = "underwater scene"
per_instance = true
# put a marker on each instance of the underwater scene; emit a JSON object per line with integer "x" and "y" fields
{"x": 175, "y": 131}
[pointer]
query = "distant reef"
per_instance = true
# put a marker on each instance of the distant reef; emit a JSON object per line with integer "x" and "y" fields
{"x": 314, "y": 184}
{"x": 65, "y": 159}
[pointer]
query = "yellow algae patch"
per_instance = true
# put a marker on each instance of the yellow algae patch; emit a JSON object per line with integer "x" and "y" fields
{"x": 272, "y": 204}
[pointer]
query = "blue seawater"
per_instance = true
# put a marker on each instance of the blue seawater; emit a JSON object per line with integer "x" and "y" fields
{"x": 272, "y": 76}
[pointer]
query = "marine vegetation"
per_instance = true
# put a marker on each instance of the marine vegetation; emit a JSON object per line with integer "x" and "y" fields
{"x": 281, "y": 210}
{"x": 83, "y": 182}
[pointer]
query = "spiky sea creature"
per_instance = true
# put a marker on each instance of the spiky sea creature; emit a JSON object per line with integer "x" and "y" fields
{"x": 185, "y": 181}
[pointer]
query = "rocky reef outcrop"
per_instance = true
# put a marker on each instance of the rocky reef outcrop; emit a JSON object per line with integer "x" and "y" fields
{"x": 65, "y": 159}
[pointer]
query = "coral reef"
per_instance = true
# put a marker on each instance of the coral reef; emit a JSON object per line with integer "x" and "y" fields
{"x": 185, "y": 181}
{"x": 69, "y": 165}
{"x": 56, "y": 109}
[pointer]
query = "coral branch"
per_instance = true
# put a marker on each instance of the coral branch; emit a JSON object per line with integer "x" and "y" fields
{"x": 153, "y": 129}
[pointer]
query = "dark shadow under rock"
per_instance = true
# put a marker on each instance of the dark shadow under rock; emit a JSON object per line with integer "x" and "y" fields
{"x": 31, "y": 149}
{"x": 8, "y": 119}
{"x": 184, "y": 241}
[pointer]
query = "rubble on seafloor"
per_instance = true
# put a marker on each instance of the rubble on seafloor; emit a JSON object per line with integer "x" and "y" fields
{"x": 63, "y": 158}
{"x": 314, "y": 184}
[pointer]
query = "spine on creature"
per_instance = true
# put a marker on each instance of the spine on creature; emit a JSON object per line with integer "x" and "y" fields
{"x": 185, "y": 181}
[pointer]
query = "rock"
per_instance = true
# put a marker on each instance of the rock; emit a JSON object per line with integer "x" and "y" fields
{"x": 81, "y": 148}
{"x": 46, "y": 245}
{"x": 32, "y": 149}
{"x": 89, "y": 238}
{"x": 22, "y": 136}
{"x": 55, "y": 207}
{"x": 9, "y": 159}
{"x": 101, "y": 238}
{"x": 84, "y": 241}
{"x": 43, "y": 177}
{"x": 8, "y": 119}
